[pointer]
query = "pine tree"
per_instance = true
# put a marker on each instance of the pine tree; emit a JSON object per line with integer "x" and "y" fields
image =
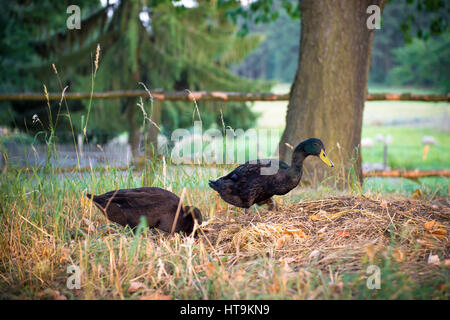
{"x": 157, "y": 43}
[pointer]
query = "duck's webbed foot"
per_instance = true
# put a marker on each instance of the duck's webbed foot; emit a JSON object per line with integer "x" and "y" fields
{"x": 272, "y": 205}
{"x": 246, "y": 210}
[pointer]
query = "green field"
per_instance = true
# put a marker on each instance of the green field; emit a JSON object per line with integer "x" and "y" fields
{"x": 406, "y": 121}
{"x": 435, "y": 114}
{"x": 406, "y": 150}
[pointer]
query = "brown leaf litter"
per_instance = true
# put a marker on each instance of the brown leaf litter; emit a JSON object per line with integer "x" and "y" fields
{"x": 341, "y": 231}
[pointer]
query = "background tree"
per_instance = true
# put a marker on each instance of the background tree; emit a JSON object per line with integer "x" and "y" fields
{"x": 329, "y": 91}
{"x": 154, "y": 42}
{"x": 409, "y": 32}
{"x": 423, "y": 62}
{"x": 277, "y": 56}
{"x": 25, "y": 28}
{"x": 328, "y": 94}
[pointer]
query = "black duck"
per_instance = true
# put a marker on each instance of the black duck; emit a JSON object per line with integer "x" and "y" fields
{"x": 245, "y": 185}
{"x": 158, "y": 206}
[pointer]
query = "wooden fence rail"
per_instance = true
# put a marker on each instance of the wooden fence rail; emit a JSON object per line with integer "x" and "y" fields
{"x": 205, "y": 96}
{"x": 162, "y": 95}
{"x": 407, "y": 174}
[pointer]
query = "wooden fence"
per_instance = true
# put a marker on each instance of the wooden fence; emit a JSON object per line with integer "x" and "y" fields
{"x": 161, "y": 95}
{"x": 407, "y": 174}
{"x": 205, "y": 96}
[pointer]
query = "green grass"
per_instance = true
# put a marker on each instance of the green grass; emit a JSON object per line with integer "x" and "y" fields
{"x": 430, "y": 186}
{"x": 407, "y": 113}
{"x": 406, "y": 152}
{"x": 375, "y": 88}
{"x": 47, "y": 223}
{"x": 406, "y": 149}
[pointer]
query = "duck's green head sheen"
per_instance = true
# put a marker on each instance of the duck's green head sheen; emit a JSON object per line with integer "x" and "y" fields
{"x": 314, "y": 147}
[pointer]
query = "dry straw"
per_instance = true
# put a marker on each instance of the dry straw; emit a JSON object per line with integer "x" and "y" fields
{"x": 340, "y": 231}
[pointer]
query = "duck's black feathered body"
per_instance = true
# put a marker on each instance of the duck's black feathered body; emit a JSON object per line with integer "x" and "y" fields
{"x": 246, "y": 185}
{"x": 158, "y": 206}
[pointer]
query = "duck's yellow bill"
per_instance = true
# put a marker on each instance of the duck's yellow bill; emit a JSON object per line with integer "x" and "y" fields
{"x": 323, "y": 156}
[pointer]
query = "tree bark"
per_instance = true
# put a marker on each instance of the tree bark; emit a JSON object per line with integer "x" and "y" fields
{"x": 329, "y": 90}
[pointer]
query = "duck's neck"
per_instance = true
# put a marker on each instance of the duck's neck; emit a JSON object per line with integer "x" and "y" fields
{"x": 297, "y": 162}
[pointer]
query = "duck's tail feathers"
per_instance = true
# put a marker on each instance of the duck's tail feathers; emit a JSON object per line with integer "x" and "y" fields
{"x": 90, "y": 196}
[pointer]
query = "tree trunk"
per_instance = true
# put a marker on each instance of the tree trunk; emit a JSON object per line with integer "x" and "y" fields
{"x": 329, "y": 90}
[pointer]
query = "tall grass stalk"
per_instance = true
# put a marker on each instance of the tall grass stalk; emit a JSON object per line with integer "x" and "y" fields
{"x": 63, "y": 98}
{"x": 94, "y": 66}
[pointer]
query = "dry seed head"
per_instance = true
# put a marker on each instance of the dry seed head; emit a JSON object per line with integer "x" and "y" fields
{"x": 97, "y": 55}
{"x": 289, "y": 146}
{"x": 47, "y": 98}
{"x": 45, "y": 92}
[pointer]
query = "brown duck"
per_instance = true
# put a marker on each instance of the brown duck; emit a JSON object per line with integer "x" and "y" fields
{"x": 247, "y": 184}
{"x": 158, "y": 206}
